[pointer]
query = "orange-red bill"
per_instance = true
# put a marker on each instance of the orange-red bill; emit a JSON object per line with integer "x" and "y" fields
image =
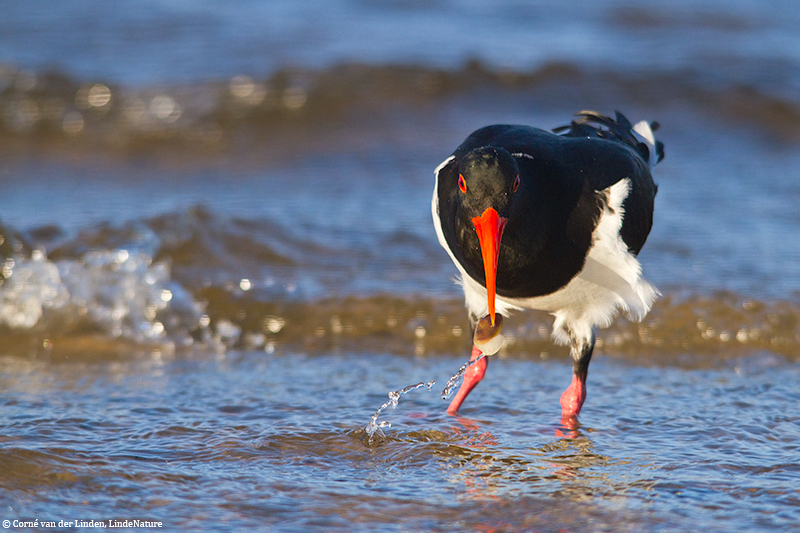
{"x": 490, "y": 228}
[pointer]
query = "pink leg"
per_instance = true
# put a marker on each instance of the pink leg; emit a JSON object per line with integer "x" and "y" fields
{"x": 571, "y": 403}
{"x": 472, "y": 377}
{"x": 573, "y": 398}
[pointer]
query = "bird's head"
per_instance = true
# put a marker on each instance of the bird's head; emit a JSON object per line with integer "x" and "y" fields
{"x": 488, "y": 179}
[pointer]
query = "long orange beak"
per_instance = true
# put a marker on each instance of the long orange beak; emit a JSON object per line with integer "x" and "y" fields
{"x": 490, "y": 228}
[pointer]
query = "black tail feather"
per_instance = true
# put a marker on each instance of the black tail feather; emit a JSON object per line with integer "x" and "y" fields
{"x": 591, "y": 124}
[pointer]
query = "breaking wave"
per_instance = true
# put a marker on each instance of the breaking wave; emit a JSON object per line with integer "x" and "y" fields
{"x": 54, "y": 111}
{"x": 197, "y": 281}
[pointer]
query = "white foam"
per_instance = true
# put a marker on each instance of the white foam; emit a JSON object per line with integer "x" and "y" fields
{"x": 119, "y": 292}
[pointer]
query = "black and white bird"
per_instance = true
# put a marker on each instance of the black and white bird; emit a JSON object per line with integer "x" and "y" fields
{"x": 554, "y": 222}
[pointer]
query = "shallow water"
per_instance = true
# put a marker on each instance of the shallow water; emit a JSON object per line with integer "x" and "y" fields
{"x": 217, "y": 259}
{"x": 277, "y": 442}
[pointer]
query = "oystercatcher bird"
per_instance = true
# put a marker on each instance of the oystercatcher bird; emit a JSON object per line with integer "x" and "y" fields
{"x": 550, "y": 221}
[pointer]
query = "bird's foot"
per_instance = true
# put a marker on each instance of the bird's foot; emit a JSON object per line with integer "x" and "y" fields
{"x": 472, "y": 377}
{"x": 573, "y": 398}
{"x": 569, "y": 427}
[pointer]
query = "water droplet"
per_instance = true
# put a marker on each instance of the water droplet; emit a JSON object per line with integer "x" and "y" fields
{"x": 73, "y": 122}
{"x": 133, "y": 109}
{"x": 394, "y": 397}
{"x": 165, "y": 108}
{"x": 241, "y": 86}
{"x": 247, "y": 91}
{"x": 453, "y": 382}
{"x": 99, "y": 95}
{"x": 274, "y": 324}
{"x": 157, "y": 329}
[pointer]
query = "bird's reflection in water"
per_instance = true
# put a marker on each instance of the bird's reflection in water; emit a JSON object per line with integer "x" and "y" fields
{"x": 472, "y": 434}
{"x": 568, "y": 428}
{"x": 485, "y": 469}
{"x": 476, "y": 471}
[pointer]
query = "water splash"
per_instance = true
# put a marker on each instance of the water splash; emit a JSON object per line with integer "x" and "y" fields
{"x": 120, "y": 292}
{"x": 394, "y": 397}
{"x": 454, "y": 381}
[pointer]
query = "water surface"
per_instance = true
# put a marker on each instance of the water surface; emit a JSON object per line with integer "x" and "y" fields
{"x": 217, "y": 259}
{"x": 277, "y": 442}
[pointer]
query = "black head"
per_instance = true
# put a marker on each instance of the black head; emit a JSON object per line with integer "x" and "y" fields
{"x": 488, "y": 177}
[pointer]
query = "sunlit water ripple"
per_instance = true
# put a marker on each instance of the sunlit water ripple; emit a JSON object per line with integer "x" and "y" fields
{"x": 250, "y": 439}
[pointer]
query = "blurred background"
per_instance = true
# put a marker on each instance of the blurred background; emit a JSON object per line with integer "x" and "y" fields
{"x": 173, "y": 171}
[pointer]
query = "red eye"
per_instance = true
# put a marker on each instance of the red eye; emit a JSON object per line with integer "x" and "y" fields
{"x": 462, "y": 184}
{"x": 516, "y": 184}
